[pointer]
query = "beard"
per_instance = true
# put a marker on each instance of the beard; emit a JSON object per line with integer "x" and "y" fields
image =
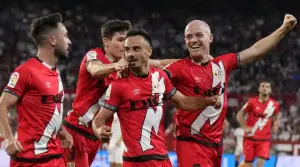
{"x": 59, "y": 54}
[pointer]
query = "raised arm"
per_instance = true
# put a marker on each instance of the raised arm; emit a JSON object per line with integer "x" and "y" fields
{"x": 97, "y": 69}
{"x": 161, "y": 63}
{"x": 263, "y": 46}
{"x": 194, "y": 103}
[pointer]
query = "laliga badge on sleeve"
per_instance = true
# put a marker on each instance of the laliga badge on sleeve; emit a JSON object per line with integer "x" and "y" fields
{"x": 13, "y": 80}
{"x": 91, "y": 55}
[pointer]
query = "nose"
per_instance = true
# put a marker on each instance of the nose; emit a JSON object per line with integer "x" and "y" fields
{"x": 129, "y": 55}
{"x": 193, "y": 39}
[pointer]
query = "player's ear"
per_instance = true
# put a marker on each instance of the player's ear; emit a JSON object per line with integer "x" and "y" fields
{"x": 52, "y": 40}
{"x": 106, "y": 41}
{"x": 211, "y": 38}
{"x": 150, "y": 52}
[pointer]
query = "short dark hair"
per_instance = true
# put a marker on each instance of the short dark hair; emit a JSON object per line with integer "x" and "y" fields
{"x": 139, "y": 32}
{"x": 42, "y": 25}
{"x": 265, "y": 81}
{"x": 109, "y": 28}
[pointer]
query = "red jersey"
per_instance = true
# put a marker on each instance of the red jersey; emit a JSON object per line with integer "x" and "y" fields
{"x": 139, "y": 106}
{"x": 40, "y": 114}
{"x": 259, "y": 117}
{"x": 88, "y": 93}
{"x": 202, "y": 80}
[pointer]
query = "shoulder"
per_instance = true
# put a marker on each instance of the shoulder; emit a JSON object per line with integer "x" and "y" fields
{"x": 162, "y": 73}
{"x": 225, "y": 56}
{"x": 177, "y": 64}
{"x": 27, "y": 67}
{"x": 274, "y": 101}
{"x": 94, "y": 53}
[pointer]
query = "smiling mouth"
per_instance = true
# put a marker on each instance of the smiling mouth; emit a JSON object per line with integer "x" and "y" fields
{"x": 195, "y": 47}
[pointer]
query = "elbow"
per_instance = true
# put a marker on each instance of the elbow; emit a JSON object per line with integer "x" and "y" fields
{"x": 93, "y": 73}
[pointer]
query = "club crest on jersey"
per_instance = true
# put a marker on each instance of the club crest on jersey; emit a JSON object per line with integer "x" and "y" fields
{"x": 218, "y": 74}
{"x": 13, "y": 79}
{"x": 91, "y": 55}
{"x": 71, "y": 164}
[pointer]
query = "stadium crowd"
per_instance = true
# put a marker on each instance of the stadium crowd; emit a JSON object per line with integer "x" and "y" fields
{"x": 234, "y": 29}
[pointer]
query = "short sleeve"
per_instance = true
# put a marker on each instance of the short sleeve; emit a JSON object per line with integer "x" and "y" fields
{"x": 247, "y": 107}
{"x": 170, "y": 89}
{"x": 277, "y": 109}
{"x": 231, "y": 61}
{"x": 170, "y": 70}
{"x": 18, "y": 83}
{"x": 91, "y": 55}
{"x": 113, "y": 97}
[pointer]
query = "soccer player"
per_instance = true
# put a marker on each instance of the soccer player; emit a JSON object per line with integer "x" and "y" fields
{"x": 238, "y": 150}
{"x": 93, "y": 80}
{"x": 116, "y": 145}
{"x": 138, "y": 101}
{"x": 199, "y": 134}
{"x": 262, "y": 112}
{"x": 36, "y": 88}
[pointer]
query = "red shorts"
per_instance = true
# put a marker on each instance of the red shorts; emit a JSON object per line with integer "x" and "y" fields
{"x": 254, "y": 148}
{"x": 191, "y": 154}
{"x": 83, "y": 152}
{"x": 151, "y": 163}
{"x": 54, "y": 162}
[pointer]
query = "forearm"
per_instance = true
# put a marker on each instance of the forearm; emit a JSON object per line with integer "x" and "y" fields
{"x": 192, "y": 103}
{"x": 161, "y": 63}
{"x": 241, "y": 119}
{"x": 97, "y": 69}
{"x": 97, "y": 123}
{"x": 262, "y": 47}
{"x": 276, "y": 120}
{"x": 4, "y": 123}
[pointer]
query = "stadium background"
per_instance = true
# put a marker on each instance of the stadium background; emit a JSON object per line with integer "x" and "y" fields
{"x": 235, "y": 25}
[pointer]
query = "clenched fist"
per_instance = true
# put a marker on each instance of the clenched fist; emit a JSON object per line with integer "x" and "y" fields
{"x": 103, "y": 133}
{"x": 213, "y": 101}
{"x": 289, "y": 22}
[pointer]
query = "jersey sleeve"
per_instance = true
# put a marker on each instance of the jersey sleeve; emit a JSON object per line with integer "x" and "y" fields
{"x": 18, "y": 83}
{"x": 170, "y": 70}
{"x": 170, "y": 89}
{"x": 91, "y": 55}
{"x": 231, "y": 61}
{"x": 247, "y": 107}
{"x": 277, "y": 109}
{"x": 113, "y": 97}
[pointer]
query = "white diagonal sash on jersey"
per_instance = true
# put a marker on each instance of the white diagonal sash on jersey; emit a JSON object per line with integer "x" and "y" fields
{"x": 260, "y": 123}
{"x": 52, "y": 127}
{"x": 153, "y": 118}
{"x": 218, "y": 73}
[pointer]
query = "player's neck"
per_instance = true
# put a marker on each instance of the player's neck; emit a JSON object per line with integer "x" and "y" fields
{"x": 110, "y": 57}
{"x": 47, "y": 57}
{"x": 263, "y": 98}
{"x": 140, "y": 72}
{"x": 200, "y": 60}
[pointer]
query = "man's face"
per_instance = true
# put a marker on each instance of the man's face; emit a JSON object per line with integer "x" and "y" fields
{"x": 137, "y": 51}
{"x": 115, "y": 45}
{"x": 197, "y": 39}
{"x": 61, "y": 42}
{"x": 265, "y": 88}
